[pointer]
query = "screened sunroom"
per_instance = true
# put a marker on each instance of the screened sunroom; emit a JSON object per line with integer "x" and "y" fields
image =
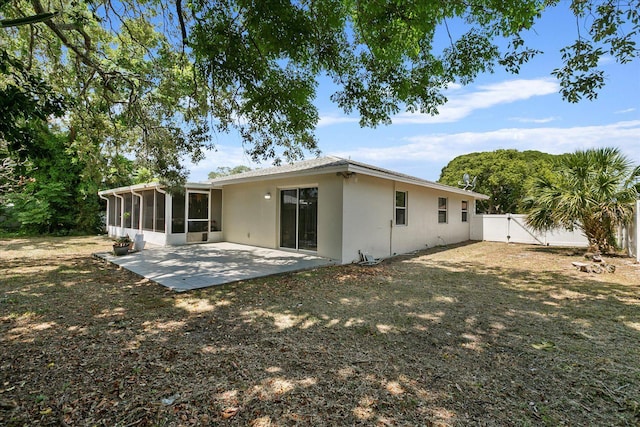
{"x": 191, "y": 216}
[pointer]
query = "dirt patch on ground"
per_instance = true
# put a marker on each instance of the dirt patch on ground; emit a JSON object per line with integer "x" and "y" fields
{"x": 480, "y": 334}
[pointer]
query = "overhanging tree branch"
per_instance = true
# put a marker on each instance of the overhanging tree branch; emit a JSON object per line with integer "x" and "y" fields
{"x": 183, "y": 27}
{"x": 27, "y": 20}
{"x": 83, "y": 56}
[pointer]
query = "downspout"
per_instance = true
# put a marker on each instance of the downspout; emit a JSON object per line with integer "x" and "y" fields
{"x": 393, "y": 215}
{"x": 106, "y": 225}
{"x": 138, "y": 241}
{"x": 471, "y": 216}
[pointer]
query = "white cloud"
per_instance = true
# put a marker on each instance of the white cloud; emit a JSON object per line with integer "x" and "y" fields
{"x": 531, "y": 120}
{"x": 461, "y": 104}
{"x": 553, "y": 140}
{"x": 605, "y": 59}
{"x": 332, "y": 119}
{"x": 626, "y": 110}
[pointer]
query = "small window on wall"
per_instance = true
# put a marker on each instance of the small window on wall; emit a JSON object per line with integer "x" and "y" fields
{"x": 442, "y": 210}
{"x": 465, "y": 211}
{"x": 401, "y": 208}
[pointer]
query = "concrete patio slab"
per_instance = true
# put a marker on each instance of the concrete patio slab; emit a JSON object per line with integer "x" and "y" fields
{"x": 195, "y": 266}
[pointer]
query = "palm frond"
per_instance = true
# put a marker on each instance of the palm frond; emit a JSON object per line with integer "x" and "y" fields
{"x": 591, "y": 189}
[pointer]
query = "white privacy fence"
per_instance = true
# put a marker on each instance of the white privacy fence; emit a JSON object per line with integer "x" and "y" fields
{"x": 511, "y": 228}
{"x": 633, "y": 234}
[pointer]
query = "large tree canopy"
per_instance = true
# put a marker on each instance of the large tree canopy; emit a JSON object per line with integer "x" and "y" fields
{"x": 149, "y": 77}
{"x": 262, "y": 59}
{"x": 130, "y": 87}
{"x": 506, "y": 176}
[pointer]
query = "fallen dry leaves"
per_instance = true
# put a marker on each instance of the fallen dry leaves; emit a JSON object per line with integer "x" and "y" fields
{"x": 482, "y": 334}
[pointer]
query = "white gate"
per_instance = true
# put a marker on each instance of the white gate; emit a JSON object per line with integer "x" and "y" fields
{"x": 511, "y": 228}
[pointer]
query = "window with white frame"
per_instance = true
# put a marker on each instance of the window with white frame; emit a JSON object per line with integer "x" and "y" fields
{"x": 442, "y": 210}
{"x": 465, "y": 211}
{"x": 401, "y": 208}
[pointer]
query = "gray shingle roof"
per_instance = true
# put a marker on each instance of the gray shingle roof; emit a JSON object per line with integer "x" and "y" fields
{"x": 305, "y": 165}
{"x": 323, "y": 163}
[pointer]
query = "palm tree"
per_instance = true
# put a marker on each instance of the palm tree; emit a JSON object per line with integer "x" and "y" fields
{"x": 593, "y": 190}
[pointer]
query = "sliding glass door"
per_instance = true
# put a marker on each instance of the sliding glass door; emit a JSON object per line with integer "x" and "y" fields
{"x": 288, "y": 218}
{"x": 299, "y": 218}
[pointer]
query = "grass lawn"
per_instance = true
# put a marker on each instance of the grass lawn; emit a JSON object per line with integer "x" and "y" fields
{"x": 478, "y": 334}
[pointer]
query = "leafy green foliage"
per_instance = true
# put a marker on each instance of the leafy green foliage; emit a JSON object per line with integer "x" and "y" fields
{"x": 504, "y": 175}
{"x": 143, "y": 175}
{"x": 52, "y": 192}
{"x": 50, "y": 201}
{"x": 135, "y": 91}
{"x": 594, "y": 190}
{"x": 149, "y": 79}
{"x": 26, "y": 101}
{"x": 262, "y": 59}
{"x": 612, "y": 29}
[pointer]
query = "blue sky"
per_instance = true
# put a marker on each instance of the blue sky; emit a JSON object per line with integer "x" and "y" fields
{"x": 497, "y": 111}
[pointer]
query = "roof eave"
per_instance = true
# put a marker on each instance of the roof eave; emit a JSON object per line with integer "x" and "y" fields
{"x": 348, "y": 167}
{"x": 283, "y": 175}
{"x": 129, "y": 188}
{"x": 415, "y": 181}
{"x": 150, "y": 186}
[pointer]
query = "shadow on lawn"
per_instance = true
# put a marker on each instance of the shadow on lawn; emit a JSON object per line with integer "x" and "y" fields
{"x": 409, "y": 342}
{"x": 572, "y": 252}
{"x": 46, "y": 243}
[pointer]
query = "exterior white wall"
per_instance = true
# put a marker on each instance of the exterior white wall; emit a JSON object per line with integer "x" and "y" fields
{"x": 248, "y": 218}
{"x": 423, "y": 230}
{"x": 511, "y": 228}
{"x": 152, "y": 237}
{"x": 369, "y": 218}
{"x": 368, "y": 209}
{"x": 477, "y": 225}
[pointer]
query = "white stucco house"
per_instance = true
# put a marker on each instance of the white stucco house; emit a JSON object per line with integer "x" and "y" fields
{"x": 332, "y": 207}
